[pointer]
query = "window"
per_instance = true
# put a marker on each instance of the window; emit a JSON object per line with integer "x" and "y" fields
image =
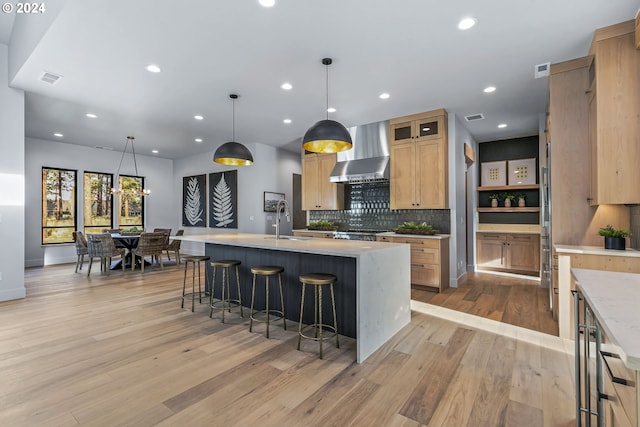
{"x": 98, "y": 202}
{"x": 59, "y": 217}
{"x": 130, "y": 200}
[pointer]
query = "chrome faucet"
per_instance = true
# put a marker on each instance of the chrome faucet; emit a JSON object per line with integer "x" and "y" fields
{"x": 285, "y": 207}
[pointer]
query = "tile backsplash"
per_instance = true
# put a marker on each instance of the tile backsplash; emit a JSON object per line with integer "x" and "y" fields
{"x": 367, "y": 208}
{"x": 634, "y": 211}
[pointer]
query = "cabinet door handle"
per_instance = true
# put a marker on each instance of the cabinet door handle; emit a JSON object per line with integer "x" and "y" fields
{"x": 615, "y": 379}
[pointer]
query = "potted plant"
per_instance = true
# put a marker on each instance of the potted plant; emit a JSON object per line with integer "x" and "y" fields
{"x": 495, "y": 197}
{"x": 413, "y": 228}
{"x": 521, "y": 202}
{"x": 614, "y": 238}
{"x": 508, "y": 197}
{"x": 322, "y": 225}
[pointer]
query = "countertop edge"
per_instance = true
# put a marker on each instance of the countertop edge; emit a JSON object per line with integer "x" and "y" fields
{"x": 594, "y": 250}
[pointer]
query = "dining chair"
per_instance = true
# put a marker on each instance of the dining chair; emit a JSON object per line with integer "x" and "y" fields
{"x": 150, "y": 244}
{"x": 81, "y": 248}
{"x": 174, "y": 246}
{"x": 166, "y": 232}
{"x": 102, "y": 246}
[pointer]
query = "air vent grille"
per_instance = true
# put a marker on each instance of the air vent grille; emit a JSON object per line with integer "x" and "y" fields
{"x": 474, "y": 117}
{"x": 100, "y": 147}
{"x": 542, "y": 70}
{"x": 50, "y": 78}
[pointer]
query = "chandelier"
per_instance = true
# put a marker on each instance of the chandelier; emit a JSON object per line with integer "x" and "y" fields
{"x": 136, "y": 191}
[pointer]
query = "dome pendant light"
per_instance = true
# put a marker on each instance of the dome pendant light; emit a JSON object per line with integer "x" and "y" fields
{"x": 327, "y": 136}
{"x": 233, "y": 153}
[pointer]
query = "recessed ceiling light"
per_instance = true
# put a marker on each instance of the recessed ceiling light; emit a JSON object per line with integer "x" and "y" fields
{"x": 286, "y": 86}
{"x": 502, "y": 125}
{"x": 198, "y": 140}
{"x": 91, "y": 116}
{"x": 466, "y": 23}
{"x": 384, "y": 95}
{"x": 267, "y": 3}
{"x": 152, "y": 68}
{"x": 154, "y": 151}
{"x": 198, "y": 117}
{"x": 59, "y": 135}
{"x": 287, "y": 121}
{"x": 331, "y": 110}
{"x": 489, "y": 89}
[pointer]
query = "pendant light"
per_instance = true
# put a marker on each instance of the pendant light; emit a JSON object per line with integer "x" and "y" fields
{"x": 327, "y": 136}
{"x": 233, "y": 153}
{"x": 138, "y": 192}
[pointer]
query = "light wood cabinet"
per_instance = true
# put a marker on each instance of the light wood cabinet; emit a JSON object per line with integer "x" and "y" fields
{"x": 429, "y": 260}
{"x": 518, "y": 253}
{"x": 418, "y": 161}
{"x": 318, "y": 193}
{"x": 614, "y": 107}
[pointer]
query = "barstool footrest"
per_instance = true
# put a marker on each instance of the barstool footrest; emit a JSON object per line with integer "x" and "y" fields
{"x": 274, "y": 315}
{"x": 332, "y": 332}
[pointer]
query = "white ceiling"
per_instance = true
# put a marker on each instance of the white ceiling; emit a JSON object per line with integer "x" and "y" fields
{"x": 209, "y": 49}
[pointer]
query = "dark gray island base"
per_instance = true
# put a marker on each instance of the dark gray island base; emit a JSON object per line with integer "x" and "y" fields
{"x": 294, "y": 264}
{"x": 373, "y": 291}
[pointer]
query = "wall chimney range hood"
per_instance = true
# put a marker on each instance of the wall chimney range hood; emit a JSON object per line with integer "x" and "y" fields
{"x": 368, "y": 160}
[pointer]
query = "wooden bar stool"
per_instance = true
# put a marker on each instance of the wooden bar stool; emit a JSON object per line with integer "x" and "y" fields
{"x": 227, "y": 303}
{"x": 193, "y": 260}
{"x": 317, "y": 280}
{"x": 267, "y": 271}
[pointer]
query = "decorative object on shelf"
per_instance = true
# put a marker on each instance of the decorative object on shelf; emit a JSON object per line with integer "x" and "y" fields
{"x": 327, "y": 136}
{"x": 271, "y": 201}
{"x": 322, "y": 225}
{"x": 120, "y": 189}
{"x": 522, "y": 171}
{"x": 494, "y": 173}
{"x": 495, "y": 198}
{"x": 223, "y": 196}
{"x": 194, "y": 212}
{"x": 614, "y": 238}
{"x": 233, "y": 153}
{"x": 413, "y": 228}
{"x": 521, "y": 201}
{"x": 508, "y": 197}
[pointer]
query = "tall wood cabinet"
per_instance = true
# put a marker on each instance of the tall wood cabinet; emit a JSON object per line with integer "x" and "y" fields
{"x": 418, "y": 161}
{"x": 614, "y": 110}
{"x": 318, "y": 193}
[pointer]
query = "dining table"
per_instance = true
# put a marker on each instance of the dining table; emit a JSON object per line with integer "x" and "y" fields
{"x": 128, "y": 241}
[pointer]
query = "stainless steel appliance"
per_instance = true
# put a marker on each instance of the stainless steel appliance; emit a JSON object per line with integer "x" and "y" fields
{"x": 366, "y": 235}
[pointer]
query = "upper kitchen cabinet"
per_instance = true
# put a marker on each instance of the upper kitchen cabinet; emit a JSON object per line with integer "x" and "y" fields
{"x": 614, "y": 115}
{"x": 318, "y": 193}
{"x": 418, "y": 161}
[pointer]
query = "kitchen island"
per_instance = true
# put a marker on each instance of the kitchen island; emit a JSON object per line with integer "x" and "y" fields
{"x": 373, "y": 291}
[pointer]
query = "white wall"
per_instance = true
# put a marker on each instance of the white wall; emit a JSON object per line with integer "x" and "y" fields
{"x": 12, "y": 170}
{"x": 158, "y": 175}
{"x": 458, "y": 136}
{"x": 272, "y": 171}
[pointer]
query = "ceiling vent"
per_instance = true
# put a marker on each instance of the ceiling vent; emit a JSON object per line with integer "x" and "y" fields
{"x": 474, "y": 117}
{"x": 50, "y": 78}
{"x": 541, "y": 70}
{"x": 100, "y": 147}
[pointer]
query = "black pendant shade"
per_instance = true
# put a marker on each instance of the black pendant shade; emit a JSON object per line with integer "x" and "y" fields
{"x": 233, "y": 153}
{"x": 327, "y": 136}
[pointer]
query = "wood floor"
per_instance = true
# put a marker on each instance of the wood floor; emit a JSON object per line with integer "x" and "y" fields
{"x": 509, "y": 299}
{"x": 118, "y": 350}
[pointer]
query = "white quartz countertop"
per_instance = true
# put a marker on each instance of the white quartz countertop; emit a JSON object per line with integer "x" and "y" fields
{"x": 595, "y": 250}
{"x": 614, "y": 298}
{"x": 336, "y": 247}
{"x": 419, "y": 236}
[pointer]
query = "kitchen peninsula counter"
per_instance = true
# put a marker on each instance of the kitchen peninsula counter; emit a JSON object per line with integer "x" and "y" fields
{"x": 373, "y": 291}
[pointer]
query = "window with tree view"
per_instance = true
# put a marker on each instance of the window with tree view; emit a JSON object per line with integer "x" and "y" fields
{"x": 130, "y": 201}
{"x": 98, "y": 202}
{"x": 58, "y": 205}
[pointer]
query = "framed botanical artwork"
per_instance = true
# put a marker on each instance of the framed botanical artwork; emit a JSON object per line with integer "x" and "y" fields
{"x": 522, "y": 171}
{"x": 194, "y": 207}
{"x": 223, "y": 199}
{"x": 494, "y": 173}
{"x": 271, "y": 200}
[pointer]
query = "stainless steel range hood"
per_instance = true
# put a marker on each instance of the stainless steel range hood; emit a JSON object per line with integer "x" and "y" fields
{"x": 368, "y": 160}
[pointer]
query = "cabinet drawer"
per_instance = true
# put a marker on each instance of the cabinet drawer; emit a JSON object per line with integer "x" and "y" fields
{"x": 425, "y": 256}
{"x": 428, "y": 275}
{"x": 487, "y": 236}
{"x": 419, "y": 243}
{"x": 523, "y": 237}
{"x": 625, "y": 394}
{"x": 614, "y": 414}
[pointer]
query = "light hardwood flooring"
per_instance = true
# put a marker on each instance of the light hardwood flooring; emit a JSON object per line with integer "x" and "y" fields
{"x": 506, "y": 298}
{"x": 118, "y": 350}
